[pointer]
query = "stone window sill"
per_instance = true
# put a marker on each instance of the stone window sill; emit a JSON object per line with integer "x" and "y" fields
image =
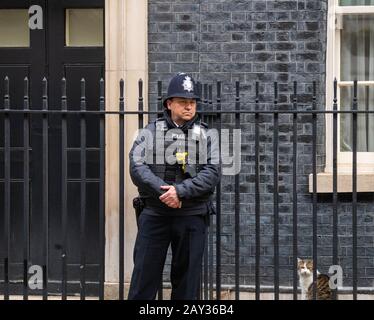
{"x": 365, "y": 182}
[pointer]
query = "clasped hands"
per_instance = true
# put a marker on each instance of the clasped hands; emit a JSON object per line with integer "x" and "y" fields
{"x": 170, "y": 197}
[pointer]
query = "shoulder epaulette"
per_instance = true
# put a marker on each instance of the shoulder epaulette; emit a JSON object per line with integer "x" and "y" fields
{"x": 161, "y": 124}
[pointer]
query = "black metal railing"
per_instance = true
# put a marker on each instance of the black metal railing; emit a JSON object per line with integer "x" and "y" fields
{"x": 213, "y": 270}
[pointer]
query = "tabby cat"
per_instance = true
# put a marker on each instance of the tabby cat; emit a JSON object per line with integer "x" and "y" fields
{"x": 305, "y": 271}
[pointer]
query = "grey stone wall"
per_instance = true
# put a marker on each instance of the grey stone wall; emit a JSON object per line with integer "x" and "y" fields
{"x": 265, "y": 41}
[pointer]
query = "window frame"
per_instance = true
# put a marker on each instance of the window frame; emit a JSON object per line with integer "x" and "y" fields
{"x": 365, "y": 160}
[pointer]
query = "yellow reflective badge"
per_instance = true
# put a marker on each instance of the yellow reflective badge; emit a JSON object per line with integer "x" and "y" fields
{"x": 182, "y": 159}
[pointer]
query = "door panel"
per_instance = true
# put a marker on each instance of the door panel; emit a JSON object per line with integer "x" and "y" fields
{"x": 75, "y": 63}
{"x": 49, "y": 56}
{"x": 92, "y": 74}
{"x": 18, "y": 63}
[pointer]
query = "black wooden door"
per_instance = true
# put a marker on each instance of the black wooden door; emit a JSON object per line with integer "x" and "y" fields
{"x": 70, "y": 45}
{"x": 20, "y": 58}
{"x": 81, "y": 56}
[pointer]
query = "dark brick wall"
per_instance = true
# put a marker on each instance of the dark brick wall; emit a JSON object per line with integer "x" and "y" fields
{"x": 264, "y": 41}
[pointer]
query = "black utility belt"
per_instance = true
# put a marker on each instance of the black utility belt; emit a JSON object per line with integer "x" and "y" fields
{"x": 189, "y": 204}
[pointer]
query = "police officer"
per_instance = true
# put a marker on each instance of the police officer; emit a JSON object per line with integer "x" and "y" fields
{"x": 176, "y": 196}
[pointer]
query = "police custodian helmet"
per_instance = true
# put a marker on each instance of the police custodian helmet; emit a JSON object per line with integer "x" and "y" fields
{"x": 182, "y": 86}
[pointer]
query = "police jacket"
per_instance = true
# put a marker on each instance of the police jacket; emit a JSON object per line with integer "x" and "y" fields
{"x": 194, "y": 183}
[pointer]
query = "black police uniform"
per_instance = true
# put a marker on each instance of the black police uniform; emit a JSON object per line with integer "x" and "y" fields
{"x": 159, "y": 225}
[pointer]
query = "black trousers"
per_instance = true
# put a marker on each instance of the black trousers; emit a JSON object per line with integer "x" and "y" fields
{"x": 186, "y": 234}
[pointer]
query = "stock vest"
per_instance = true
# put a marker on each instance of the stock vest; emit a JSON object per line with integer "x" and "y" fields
{"x": 182, "y": 169}
{"x": 176, "y": 173}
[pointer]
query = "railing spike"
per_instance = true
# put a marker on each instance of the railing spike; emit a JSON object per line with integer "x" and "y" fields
{"x": 26, "y": 87}
{"x": 121, "y": 85}
{"x": 140, "y": 86}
